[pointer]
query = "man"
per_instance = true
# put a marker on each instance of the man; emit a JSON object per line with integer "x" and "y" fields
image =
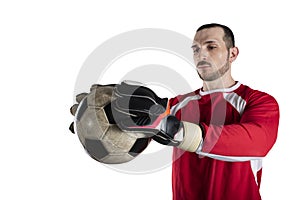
{"x": 220, "y": 132}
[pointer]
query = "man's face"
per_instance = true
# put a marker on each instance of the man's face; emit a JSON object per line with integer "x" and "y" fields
{"x": 210, "y": 53}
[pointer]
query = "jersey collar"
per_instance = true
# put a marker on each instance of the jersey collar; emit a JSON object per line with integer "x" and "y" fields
{"x": 230, "y": 89}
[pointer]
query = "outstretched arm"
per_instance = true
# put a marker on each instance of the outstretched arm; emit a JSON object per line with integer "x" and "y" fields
{"x": 252, "y": 137}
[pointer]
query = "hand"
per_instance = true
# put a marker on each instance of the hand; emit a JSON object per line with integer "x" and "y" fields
{"x": 73, "y": 109}
{"x": 138, "y": 108}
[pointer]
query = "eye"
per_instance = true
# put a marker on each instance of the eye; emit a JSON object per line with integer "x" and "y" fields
{"x": 196, "y": 50}
{"x": 211, "y": 47}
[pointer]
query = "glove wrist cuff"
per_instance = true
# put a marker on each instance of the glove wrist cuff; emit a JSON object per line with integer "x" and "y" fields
{"x": 192, "y": 137}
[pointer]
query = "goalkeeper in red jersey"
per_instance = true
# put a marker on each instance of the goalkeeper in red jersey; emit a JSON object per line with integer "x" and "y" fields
{"x": 220, "y": 132}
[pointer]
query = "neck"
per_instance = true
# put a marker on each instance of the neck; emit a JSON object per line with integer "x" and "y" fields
{"x": 226, "y": 81}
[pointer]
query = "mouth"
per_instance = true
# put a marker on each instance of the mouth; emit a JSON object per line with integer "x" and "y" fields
{"x": 203, "y": 65}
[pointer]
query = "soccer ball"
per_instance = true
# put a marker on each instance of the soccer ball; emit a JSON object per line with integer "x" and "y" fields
{"x": 102, "y": 139}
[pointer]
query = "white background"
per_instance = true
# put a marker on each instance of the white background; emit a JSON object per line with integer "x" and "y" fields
{"x": 42, "y": 48}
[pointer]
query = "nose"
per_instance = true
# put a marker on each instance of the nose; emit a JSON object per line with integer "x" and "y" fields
{"x": 200, "y": 55}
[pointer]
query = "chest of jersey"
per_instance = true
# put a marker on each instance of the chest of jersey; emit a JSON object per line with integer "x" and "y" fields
{"x": 211, "y": 109}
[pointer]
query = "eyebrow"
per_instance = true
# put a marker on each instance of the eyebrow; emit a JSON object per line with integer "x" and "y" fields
{"x": 210, "y": 41}
{"x": 206, "y": 42}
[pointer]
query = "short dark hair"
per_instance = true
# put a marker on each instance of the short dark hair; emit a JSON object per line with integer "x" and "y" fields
{"x": 228, "y": 34}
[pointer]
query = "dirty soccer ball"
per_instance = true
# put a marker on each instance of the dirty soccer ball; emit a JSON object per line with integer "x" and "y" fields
{"x": 98, "y": 133}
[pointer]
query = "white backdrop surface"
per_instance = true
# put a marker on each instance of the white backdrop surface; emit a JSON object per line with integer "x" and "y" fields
{"x": 43, "y": 45}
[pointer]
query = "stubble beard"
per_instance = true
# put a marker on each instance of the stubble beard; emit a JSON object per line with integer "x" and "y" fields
{"x": 217, "y": 74}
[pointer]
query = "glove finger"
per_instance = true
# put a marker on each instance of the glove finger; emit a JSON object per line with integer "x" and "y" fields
{"x": 171, "y": 126}
{"x": 71, "y": 127}
{"x": 139, "y": 95}
{"x": 73, "y": 109}
{"x": 134, "y": 103}
{"x": 164, "y": 139}
{"x": 132, "y": 126}
{"x": 97, "y": 86}
{"x": 153, "y": 112}
{"x": 142, "y": 104}
{"x": 125, "y": 89}
{"x": 161, "y": 140}
{"x": 114, "y": 116}
{"x": 80, "y": 96}
{"x": 123, "y": 111}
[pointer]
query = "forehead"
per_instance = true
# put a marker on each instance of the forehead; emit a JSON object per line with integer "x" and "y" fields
{"x": 209, "y": 34}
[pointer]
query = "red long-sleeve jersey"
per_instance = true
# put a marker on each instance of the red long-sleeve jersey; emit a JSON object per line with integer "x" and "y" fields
{"x": 239, "y": 128}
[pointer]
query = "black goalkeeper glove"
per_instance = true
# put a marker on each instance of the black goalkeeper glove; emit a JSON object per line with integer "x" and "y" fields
{"x": 73, "y": 109}
{"x": 138, "y": 108}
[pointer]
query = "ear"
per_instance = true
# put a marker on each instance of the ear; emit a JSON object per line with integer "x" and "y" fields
{"x": 233, "y": 53}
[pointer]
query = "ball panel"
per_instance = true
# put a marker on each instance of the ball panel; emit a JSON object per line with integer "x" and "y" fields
{"x": 117, "y": 158}
{"x": 109, "y": 114}
{"x": 93, "y": 126}
{"x": 139, "y": 146}
{"x": 95, "y": 149}
{"x": 81, "y": 109}
{"x": 81, "y": 132}
{"x": 102, "y": 119}
{"x": 115, "y": 140}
